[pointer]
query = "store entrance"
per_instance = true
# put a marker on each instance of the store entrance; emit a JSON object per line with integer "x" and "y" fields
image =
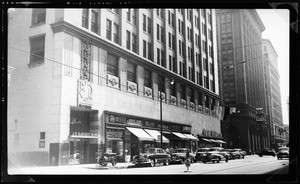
{"x": 116, "y": 146}
{"x": 79, "y": 151}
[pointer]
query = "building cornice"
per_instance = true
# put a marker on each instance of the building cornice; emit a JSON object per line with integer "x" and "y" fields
{"x": 63, "y": 26}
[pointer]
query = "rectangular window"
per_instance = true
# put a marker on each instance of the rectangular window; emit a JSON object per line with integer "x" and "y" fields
{"x": 162, "y": 34}
{"x": 37, "y": 49}
{"x": 189, "y": 53}
{"x": 128, "y": 15}
{"x": 108, "y": 29}
{"x": 133, "y": 17}
{"x": 42, "y": 140}
{"x": 42, "y": 135}
{"x": 157, "y": 31}
{"x": 131, "y": 72}
{"x": 149, "y": 25}
{"x": 170, "y": 63}
{"x": 174, "y": 65}
{"x": 170, "y": 40}
{"x": 144, "y": 22}
{"x": 134, "y": 43}
{"x": 210, "y": 68}
{"x": 149, "y": 51}
{"x": 144, "y": 49}
{"x": 173, "y": 42}
{"x": 189, "y": 36}
{"x": 147, "y": 78}
{"x": 112, "y": 65}
{"x": 38, "y": 16}
{"x": 158, "y": 56}
{"x": 116, "y": 33}
{"x": 85, "y": 18}
{"x": 128, "y": 39}
{"x": 180, "y": 52}
{"x": 94, "y": 22}
{"x": 162, "y": 56}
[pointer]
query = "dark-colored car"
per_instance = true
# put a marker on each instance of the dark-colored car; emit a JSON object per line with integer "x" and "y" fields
{"x": 152, "y": 156}
{"x": 179, "y": 155}
{"x": 284, "y": 152}
{"x": 212, "y": 155}
{"x": 200, "y": 153}
{"x": 221, "y": 151}
{"x": 267, "y": 151}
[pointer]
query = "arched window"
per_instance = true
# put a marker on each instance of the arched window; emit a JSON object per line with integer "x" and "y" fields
{"x": 222, "y": 18}
{"x": 228, "y": 17}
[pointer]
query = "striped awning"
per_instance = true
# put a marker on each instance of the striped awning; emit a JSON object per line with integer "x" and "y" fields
{"x": 141, "y": 134}
{"x": 155, "y": 134}
{"x": 190, "y": 136}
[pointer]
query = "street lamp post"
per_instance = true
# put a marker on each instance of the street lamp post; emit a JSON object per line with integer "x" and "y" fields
{"x": 160, "y": 96}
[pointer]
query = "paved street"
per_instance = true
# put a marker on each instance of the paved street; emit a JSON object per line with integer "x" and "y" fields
{"x": 250, "y": 165}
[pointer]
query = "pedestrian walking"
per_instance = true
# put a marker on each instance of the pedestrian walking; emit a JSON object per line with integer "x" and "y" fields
{"x": 187, "y": 160}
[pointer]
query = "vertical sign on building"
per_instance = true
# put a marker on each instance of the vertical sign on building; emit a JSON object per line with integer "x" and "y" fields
{"x": 85, "y": 89}
{"x": 259, "y": 114}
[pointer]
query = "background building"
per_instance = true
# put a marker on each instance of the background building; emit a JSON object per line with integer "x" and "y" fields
{"x": 272, "y": 87}
{"x": 241, "y": 78}
{"x": 89, "y": 81}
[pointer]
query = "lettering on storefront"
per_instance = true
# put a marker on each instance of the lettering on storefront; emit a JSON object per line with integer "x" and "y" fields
{"x": 150, "y": 124}
{"x": 115, "y": 119}
{"x": 114, "y": 133}
{"x": 175, "y": 128}
{"x": 186, "y": 129}
{"x": 75, "y": 121}
{"x": 85, "y": 134}
{"x": 211, "y": 133}
{"x": 164, "y": 127}
{"x": 133, "y": 122}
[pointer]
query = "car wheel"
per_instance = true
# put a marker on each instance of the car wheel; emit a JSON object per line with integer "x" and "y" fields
{"x": 213, "y": 161}
{"x": 226, "y": 160}
{"x": 152, "y": 162}
{"x": 113, "y": 162}
{"x": 204, "y": 162}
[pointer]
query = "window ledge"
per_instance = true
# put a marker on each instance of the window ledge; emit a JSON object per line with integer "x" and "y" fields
{"x": 35, "y": 64}
{"x": 37, "y": 24}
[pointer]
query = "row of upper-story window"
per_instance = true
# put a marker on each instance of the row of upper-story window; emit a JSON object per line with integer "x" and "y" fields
{"x": 37, "y": 45}
{"x": 131, "y": 69}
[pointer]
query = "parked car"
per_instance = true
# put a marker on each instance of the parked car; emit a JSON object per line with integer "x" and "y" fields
{"x": 267, "y": 151}
{"x": 221, "y": 151}
{"x": 200, "y": 153}
{"x": 179, "y": 155}
{"x": 239, "y": 152}
{"x": 152, "y": 156}
{"x": 212, "y": 155}
{"x": 284, "y": 152}
{"x": 233, "y": 154}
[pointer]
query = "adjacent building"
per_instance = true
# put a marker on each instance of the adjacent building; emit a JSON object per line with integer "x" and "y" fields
{"x": 272, "y": 87}
{"x": 241, "y": 78}
{"x": 90, "y": 81}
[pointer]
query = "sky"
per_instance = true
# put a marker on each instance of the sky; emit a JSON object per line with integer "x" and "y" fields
{"x": 276, "y": 22}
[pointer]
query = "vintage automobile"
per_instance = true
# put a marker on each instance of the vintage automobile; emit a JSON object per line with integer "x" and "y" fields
{"x": 200, "y": 153}
{"x": 267, "y": 151}
{"x": 152, "y": 156}
{"x": 212, "y": 155}
{"x": 235, "y": 153}
{"x": 179, "y": 155}
{"x": 239, "y": 152}
{"x": 221, "y": 151}
{"x": 284, "y": 152}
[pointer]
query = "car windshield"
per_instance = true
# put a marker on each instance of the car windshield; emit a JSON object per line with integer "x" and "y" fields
{"x": 151, "y": 150}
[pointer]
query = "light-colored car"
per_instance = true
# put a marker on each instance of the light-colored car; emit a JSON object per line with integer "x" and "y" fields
{"x": 284, "y": 152}
{"x": 179, "y": 155}
{"x": 152, "y": 156}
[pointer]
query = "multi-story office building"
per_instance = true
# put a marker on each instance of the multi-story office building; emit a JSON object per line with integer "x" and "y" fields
{"x": 272, "y": 92}
{"x": 241, "y": 77}
{"x": 90, "y": 81}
